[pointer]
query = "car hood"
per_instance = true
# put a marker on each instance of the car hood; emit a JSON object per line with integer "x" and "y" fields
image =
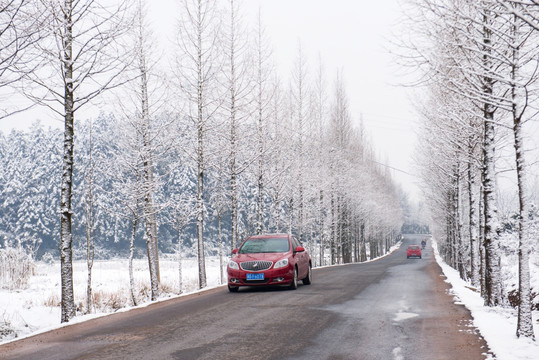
{"x": 259, "y": 256}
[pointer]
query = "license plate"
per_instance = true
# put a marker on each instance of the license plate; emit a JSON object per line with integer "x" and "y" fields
{"x": 259, "y": 276}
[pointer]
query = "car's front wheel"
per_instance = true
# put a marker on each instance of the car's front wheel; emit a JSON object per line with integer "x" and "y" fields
{"x": 309, "y": 278}
{"x": 294, "y": 283}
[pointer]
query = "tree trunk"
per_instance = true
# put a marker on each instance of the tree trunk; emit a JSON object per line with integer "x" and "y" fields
{"x": 90, "y": 249}
{"x": 152, "y": 265}
{"x": 518, "y": 95}
{"x": 321, "y": 226}
{"x": 131, "y": 255}
{"x": 233, "y": 206}
{"x": 66, "y": 237}
{"x": 150, "y": 216}
{"x": 260, "y": 106}
{"x": 221, "y": 255}
{"x": 493, "y": 289}
{"x": 492, "y": 267}
{"x": 333, "y": 230}
{"x": 180, "y": 259}
{"x": 473, "y": 226}
{"x": 458, "y": 226}
{"x": 200, "y": 213}
{"x": 260, "y": 177}
{"x": 233, "y": 155}
{"x": 481, "y": 242}
{"x": 200, "y": 123}
{"x": 525, "y": 322}
{"x": 363, "y": 256}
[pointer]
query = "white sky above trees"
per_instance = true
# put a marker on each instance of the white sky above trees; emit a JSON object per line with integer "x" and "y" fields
{"x": 351, "y": 36}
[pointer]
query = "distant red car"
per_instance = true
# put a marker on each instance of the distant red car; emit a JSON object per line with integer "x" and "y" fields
{"x": 413, "y": 251}
{"x": 272, "y": 259}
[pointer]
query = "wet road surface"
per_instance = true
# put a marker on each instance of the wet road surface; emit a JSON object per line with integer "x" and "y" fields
{"x": 390, "y": 309}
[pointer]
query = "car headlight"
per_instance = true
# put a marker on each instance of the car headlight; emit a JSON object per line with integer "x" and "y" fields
{"x": 281, "y": 263}
{"x": 233, "y": 265}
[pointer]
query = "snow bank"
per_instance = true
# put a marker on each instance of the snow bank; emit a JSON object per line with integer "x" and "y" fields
{"x": 36, "y": 308}
{"x": 497, "y": 325}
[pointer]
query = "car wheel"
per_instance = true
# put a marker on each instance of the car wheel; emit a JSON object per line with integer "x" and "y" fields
{"x": 294, "y": 283}
{"x": 309, "y": 278}
{"x": 233, "y": 288}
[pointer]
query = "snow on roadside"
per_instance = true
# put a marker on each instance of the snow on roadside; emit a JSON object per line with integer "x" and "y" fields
{"x": 36, "y": 309}
{"x": 497, "y": 325}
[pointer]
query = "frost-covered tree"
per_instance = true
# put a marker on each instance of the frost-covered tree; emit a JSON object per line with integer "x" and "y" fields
{"x": 522, "y": 41}
{"x": 125, "y": 174}
{"x": 484, "y": 57}
{"x": 79, "y": 58}
{"x": 299, "y": 91}
{"x": 20, "y": 23}
{"x": 143, "y": 118}
{"x": 197, "y": 69}
{"x": 320, "y": 119}
{"x": 29, "y": 191}
{"x": 263, "y": 98}
{"x": 278, "y": 157}
{"x": 340, "y": 133}
{"x": 238, "y": 85}
{"x": 89, "y": 215}
{"x": 146, "y": 129}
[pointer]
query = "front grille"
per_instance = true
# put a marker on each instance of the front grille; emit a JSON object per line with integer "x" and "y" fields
{"x": 256, "y": 281}
{"x": 256, "y": 265}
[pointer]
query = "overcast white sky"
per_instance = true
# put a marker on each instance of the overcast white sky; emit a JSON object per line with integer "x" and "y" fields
{"x": 350, "y": 35}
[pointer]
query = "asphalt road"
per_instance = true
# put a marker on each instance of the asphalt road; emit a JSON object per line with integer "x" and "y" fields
{"x": 390, "y": 309}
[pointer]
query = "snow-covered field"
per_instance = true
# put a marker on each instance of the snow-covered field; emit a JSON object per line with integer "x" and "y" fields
{"x": 36, "y": 309}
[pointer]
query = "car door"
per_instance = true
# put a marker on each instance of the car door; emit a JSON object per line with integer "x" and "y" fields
{"x": 301, "y": 259}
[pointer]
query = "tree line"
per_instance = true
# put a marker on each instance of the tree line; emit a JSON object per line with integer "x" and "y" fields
{"x": 478, "y": 61}
{"x": 198, "y": 153}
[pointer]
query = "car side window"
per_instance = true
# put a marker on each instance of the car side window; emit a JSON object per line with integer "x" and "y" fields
{"x": 295, "y": 243}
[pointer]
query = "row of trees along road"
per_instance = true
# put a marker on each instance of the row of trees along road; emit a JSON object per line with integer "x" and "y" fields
{"x": 479, "y": 64}
{"x": 210, "y": 146}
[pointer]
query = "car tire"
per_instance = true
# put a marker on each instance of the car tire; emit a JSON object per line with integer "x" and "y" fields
{"x": 294, "y": 283}
{"x": 309, "y": 278}
{"x": 233, "y": 289}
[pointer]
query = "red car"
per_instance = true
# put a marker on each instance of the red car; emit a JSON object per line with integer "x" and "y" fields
{"x": 272, "y": 259}
{"x": 413, "y": 251}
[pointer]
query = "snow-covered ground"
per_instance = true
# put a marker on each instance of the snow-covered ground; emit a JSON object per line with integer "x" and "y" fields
{"x": 497, "y": 325}
{"x": 36, "y": 309}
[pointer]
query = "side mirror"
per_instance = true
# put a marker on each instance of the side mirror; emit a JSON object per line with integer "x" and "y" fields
{"x": 299, "y": 249}
{"x": 234, "y": 252}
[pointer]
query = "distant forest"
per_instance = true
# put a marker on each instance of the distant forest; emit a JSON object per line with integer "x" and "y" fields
{"x": 30, "y": 168}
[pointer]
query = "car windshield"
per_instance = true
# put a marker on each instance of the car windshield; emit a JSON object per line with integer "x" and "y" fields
{"x": 265, "y": 245}
{"x": 413, "y": 247}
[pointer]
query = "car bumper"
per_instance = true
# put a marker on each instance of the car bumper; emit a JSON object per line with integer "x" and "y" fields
{"x": 283, "y": 276}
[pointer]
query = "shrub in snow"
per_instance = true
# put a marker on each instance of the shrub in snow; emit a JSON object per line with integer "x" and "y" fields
{"x": 6, "y": 331}
{"x": 16, "y": 268}
{"x": 509, "y": 257}
{"x": 48, "y": 258}
{"x": 105, "y": 301}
